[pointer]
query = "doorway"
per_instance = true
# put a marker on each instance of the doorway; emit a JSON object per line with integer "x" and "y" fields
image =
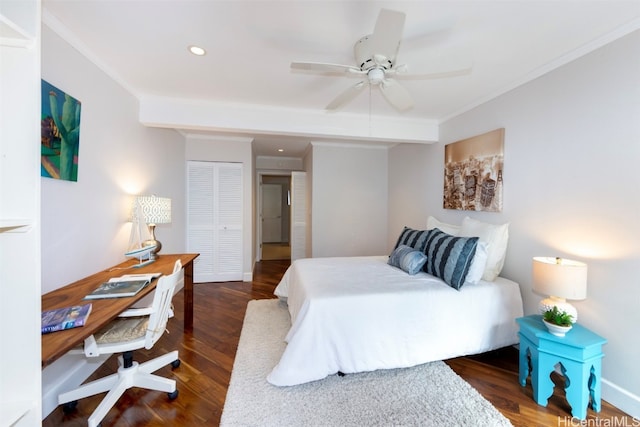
{"x": 275, "y": 207}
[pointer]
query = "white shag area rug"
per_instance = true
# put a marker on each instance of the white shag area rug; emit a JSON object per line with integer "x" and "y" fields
{"x": 426, "y": 395}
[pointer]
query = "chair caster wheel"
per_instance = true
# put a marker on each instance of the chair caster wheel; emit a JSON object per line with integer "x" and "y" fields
{"x": 175, "y": 363}
{"x": 173, "y": 395}
{"x": 69, "y": 407}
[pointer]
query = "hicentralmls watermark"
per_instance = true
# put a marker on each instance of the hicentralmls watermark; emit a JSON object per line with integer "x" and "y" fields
{"x": 598, "y": 422}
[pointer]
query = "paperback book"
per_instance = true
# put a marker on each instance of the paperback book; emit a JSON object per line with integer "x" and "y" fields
{"x": 65, "y": 318}
{"x": 124, "y": 286}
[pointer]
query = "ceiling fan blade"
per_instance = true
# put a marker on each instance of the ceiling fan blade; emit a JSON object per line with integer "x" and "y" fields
{"x": 346, "y": 96}
{"x": 325, "y": 67}
{"x": 387, "y": 33}
{"x": 397, "y": 95}
{"x": 435, "y": 75}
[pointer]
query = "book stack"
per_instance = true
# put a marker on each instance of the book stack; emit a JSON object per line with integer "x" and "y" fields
{"x": 123, "y": 286}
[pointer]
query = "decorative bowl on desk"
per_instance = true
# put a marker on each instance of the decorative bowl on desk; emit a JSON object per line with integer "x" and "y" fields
{"x": 557, "y": 330}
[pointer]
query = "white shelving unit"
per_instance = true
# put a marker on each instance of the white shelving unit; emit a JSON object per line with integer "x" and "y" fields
{"x": 13, "y": 35}
{"x": 20, "y": 288}
{"x": 14, "y": 225}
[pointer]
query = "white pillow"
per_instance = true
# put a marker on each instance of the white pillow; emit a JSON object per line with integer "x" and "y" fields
{"x": 496, "y": 238}
{"x": 478, "y": 264}
{"x": 443, "y": 226}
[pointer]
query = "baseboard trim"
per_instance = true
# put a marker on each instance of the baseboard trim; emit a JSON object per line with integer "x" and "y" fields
{"x": 621, "y": 398}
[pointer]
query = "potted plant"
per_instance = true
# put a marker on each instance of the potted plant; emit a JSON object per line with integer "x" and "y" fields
{"x": 558, "y": 322}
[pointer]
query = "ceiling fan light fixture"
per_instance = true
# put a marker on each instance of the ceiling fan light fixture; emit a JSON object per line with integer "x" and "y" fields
{"x": 197, "y": 50}
{"x": 376, "y": 76}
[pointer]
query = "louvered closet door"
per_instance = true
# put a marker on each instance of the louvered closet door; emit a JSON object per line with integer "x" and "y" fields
{"x": 228, "y": 262}
{"x": 214, "y": 220}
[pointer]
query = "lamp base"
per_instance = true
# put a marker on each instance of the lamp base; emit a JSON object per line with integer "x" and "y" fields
{"x": 153, "y": 255}
{"x": 561, "y": 303}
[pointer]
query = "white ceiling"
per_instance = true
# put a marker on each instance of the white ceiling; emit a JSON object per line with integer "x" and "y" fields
{"x": 250, "y": 45}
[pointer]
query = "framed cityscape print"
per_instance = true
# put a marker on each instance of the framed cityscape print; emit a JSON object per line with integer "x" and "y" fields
{"x": 473, "y": 169}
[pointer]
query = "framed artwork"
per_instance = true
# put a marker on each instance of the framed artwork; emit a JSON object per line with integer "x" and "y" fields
{"x": 59, "y": 134}
{"x": 473, "y": 173}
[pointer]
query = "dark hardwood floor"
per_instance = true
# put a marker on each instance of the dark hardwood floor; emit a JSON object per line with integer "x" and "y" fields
{"x": 207, "y": 355}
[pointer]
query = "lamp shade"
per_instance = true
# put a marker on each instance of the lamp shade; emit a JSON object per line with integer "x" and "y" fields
{"x": 559, "y": 277}
{"x": 155, "y": 210}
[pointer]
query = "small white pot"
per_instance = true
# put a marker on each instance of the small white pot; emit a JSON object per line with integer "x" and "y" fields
{"x": 556, "y": 330}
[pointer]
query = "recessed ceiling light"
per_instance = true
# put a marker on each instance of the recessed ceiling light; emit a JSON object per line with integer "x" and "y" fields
{"x": 196, "y": 50}
{"x": 280, "y": 150}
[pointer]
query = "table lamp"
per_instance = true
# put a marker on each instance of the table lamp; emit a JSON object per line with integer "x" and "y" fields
{"x": 155, "y": 210}
{"x": 560, "y": 279}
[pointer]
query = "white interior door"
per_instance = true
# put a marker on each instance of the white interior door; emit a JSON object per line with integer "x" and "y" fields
{"x": 228, "y": 259}
{"x": 271, "y": 213}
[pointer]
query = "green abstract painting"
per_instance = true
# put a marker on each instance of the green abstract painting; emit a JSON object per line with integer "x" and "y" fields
{"x": 60, "y": 134}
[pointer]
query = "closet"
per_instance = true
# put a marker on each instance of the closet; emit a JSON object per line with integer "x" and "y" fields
{"x": 214, "y": 220}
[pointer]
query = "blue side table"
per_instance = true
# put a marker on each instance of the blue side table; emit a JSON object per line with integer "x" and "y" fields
{"x": 579, "y": 353}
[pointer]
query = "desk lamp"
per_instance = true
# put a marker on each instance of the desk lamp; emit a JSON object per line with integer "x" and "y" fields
{"x": 155, "y": 210}
{"x": 560, "y": 279}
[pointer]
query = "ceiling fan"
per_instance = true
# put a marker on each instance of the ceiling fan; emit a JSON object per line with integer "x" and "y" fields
{"x": 375, "y": 56}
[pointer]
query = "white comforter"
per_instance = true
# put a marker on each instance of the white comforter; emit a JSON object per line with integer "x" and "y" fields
{"x": 358, "y": 314}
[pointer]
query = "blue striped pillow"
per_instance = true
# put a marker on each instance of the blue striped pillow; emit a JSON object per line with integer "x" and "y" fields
{"x": 449, "y": 257}
{"x": 416, "y": 239}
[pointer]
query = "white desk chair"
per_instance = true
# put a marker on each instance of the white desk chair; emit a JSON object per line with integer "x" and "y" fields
{"x": 134, "y": 329}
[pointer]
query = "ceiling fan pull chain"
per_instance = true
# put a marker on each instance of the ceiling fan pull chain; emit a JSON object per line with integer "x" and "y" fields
{"x": 370, "y": 110}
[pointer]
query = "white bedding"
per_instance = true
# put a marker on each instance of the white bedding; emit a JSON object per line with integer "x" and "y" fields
{"x": 358, "y": 314}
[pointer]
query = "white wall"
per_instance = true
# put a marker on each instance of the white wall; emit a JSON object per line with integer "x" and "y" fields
{"x": 233, "y": 150}
{"x": 349, "y": 200}
{"x": 571, "y": 188}
{"x": 84, "y": 226}
{"x": 270, "y": 163}
{"x": 407, "y": 201}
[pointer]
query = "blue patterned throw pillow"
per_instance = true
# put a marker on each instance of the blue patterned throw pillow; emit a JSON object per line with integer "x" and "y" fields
{"x": 412, "y": 238}
{"x": 407, "y": 259}
{"x": 449, "y": 257}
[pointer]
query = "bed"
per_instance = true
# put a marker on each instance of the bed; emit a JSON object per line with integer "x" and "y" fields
{"x": 357, "y": 314}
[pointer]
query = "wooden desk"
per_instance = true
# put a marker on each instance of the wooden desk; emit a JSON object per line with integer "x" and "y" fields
{"x": 58, "y": 343}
